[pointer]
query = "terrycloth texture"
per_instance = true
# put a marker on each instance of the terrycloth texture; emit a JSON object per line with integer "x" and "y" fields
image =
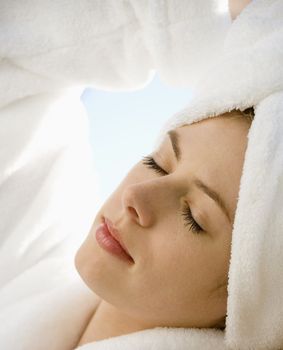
{"x": 111, "y": 44}
{"x": 48, "y": 197}
{"x": 47, "y": 202}
{"x": 117, "y": 45}
{"x": 44, "y": 154}
{"x": 250, "y": 73}
{"x": 162, "y": 338}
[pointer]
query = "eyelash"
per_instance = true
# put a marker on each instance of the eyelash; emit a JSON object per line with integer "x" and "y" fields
{"x": 186, "y": 212}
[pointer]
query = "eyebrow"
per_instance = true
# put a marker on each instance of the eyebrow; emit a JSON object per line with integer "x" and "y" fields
{"x": 174, "y": 138}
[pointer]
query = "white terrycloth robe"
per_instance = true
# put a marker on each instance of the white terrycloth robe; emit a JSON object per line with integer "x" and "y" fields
{"x": 50, "y": 50}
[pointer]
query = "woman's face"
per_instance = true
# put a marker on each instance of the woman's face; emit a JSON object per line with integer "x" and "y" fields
{"x": 178, "y": 277}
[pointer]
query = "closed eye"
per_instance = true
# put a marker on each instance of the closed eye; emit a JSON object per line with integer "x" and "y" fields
{"x": 150, "y": 163}
{"x": 186, "y": 213}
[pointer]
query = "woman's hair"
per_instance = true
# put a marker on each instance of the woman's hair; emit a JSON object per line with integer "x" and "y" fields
{"x": 247, "y": 114}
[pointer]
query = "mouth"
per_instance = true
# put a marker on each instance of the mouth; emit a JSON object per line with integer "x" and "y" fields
{"x": 117, "y": 236}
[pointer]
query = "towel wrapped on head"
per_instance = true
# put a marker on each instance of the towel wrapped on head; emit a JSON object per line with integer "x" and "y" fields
{"x": 118, "y": 51}
{"x": 248, "y": 77}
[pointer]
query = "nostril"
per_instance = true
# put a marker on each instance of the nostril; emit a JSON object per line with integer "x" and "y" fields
{"x": 133, "y": 212}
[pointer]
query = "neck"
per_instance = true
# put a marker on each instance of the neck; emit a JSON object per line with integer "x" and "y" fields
{"x": 108, "y": 322}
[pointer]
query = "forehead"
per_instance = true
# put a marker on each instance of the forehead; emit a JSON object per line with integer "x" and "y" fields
{"x": 224, "y": 135}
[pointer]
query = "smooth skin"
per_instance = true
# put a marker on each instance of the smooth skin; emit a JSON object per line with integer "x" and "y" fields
{"x": 179, "y": 276}
{"x": 154, "y": 292}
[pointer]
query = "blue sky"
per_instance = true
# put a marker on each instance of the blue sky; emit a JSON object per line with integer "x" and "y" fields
{"x": 125, "y": 125}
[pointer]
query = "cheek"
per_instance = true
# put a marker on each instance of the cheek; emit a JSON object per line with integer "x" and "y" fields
{"x": 94, "y": 266}
{"x": 106, "y": 275}
{"x": 176, "y": 282}
{"x": 172, "y": 273}
{"x": 185, "y": 268}
{"x": 88, "y": 261}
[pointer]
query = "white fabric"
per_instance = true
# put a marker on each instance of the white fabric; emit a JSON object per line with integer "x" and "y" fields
{"x": 250, "y": 73}
{"x": 47, "y": 201}
{"x": 48, "y": 196}
{"x": 47, "y": 187}
{"x": 111, "y": 44}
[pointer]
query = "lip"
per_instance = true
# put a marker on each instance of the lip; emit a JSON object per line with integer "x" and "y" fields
{"x": 109, "y": 238}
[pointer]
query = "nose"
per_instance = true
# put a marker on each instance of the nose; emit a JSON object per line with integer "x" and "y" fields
{"x": 136, "y": 203}
{"x": 133, "y": 213}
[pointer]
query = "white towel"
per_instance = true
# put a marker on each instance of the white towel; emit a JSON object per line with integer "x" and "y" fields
{"x": 250, "y": 73}
{"x": 110, "y": 44}
{"x": 48, "y": 197}
{"x": 48, "y": 46}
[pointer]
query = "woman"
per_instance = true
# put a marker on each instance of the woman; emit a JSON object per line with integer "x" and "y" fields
{"x": 172, "y": 224}
{"x": 132, "y": 303}
{"x": 116, "y": 45}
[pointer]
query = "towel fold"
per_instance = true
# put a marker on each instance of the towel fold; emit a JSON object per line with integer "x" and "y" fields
{"x": 250, "y": 73}
{"x": 46, "y": 163}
